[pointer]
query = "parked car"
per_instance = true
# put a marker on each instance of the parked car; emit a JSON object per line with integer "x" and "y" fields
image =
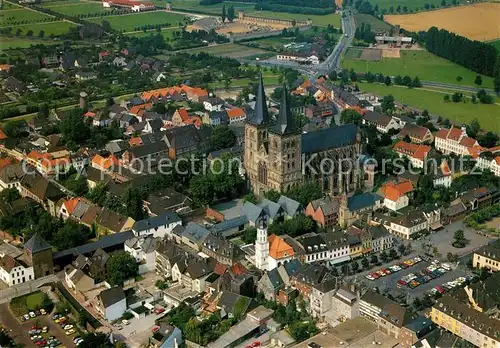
{"x": 125, "y": 322}
{"x": 26, "y": 316}
{"x": 369, "y": 277}
{"x": 43, "y": 311}
{"x": 67, "y": 327}
{"x": 45, "y": 329}
{"x": 440, "y": 289}
{"x": 32, "y": 314}
{"x": 403, "y": 265}
{"x": 413, "y": 284}
{"x": 159, "y": 310}
{"x": 70, "y": 332}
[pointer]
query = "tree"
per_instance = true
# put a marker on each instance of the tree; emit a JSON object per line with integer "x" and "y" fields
{"x": 74, "y": 128}
{"x": 416, "y": 82}
{"x": 459, "y": 239}
{"x": 96, "y": 339}
{"x": 417, "y": 304}
{"x": 383, "y": 256}
{"x": 14, "y": 129}
{"x": 387, "y": 81}
{"x": 479, "y": 80}
{"x": 459, "y": 78}
{"x": 249, "y": 235}
{"x": 446, "y": 98}
{"x": 121, "y": 266}
{"x": 222, "y": 138}
{"x": 374, "y": 259}
{"x": 452, "y": 257}
{"x": 333, "y": 75}
{"x": 354, "y": 266}
{"x": 70, "y": 235}
{"x": 402, "y": 249}
{"x": 82, "y": 319}
{"x": 407, "y": 81}
{"x": 365, "y": 263}
{"x": 29, "y": 33}
{"x": 230, "y": 14}
{"x": 457, "y": 97}
{"x": 134, "y": 204}
{"x": 9, "y": 195}
{"x": 348, "y": 116}
{"x": 388, "y": 104}
{"x": 223, "y": 13}
{"x": 5, "y": 339}
{"x": 240, "y": 307}
{"x": 41, "y": 34}
{"x": 392, "y": 254}
{"x": 496, "y": 85}
{"x": 272, "y": 195}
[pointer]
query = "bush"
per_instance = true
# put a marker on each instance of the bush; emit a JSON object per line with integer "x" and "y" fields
{"x": 127, "y": 316}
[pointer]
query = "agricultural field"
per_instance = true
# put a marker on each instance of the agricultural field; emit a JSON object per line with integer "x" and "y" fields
{"x": 50, "y": 28}
{"x": 415, "y": 63}
{"x": 375, "y": 23}
{"x": 496, "y": 44}
{"x": 76, "y": 8}
{"x": 131, "y": 21}
{"x": 477, "y": 21}
{"x": 412, "y": 5}
{"x": 194, "y": 5}
{"x": 319, "y": 20}
{"x": 269, "y": 80}
{"x": 8, "y": 17}
{"x": 230, "y": 50}
{"x": 17, "y": 42}
{"x": 432, "y": 100}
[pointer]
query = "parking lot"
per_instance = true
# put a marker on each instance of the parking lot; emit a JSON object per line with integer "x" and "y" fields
{"x": 389, "y": 282}
{"x": 19, "y": 331}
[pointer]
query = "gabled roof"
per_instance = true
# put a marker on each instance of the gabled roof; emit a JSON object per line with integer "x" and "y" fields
{"x": 378, "y": 118}
{"x": 278, "y": 248}
{"x": 156, "y": 221}
{"x": 111, "y": 296}
{"x": 412, "y": 150}
{"x": 290, "y": 206}
{"x": 36, "y": 244}
{"x": 362, "y": 200}
{"x": 329, "y": 138}
{"x": 414, "y": 131}
{"x": 195, "y": 232}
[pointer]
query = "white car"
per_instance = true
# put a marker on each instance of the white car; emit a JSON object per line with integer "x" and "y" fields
{"x": 68, "y": 327}
{"x": 26, "y": 316}
{"x": 125, "y": 322}
{"x": 32, "y": 314}
{"x": 369, "y": 277}
{"x": 446, "y": 266}
{"x": 417, "y": 259}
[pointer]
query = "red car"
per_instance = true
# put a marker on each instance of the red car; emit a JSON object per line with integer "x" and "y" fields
{"x": 403, "y": 265}
{"x": 386, "y": 271}
{"x": 402, "y": 282}
{"x": 41, "y": 343}
{"x": 440, "y": 289}
{"x": 256, "y": 344}
{"x": 159, "y": 310}
{"x": 375, "y": 275}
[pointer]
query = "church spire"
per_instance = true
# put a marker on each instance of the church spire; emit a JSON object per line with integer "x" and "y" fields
{"x": 284, "y": 124}
{"x": 261, "y": 115}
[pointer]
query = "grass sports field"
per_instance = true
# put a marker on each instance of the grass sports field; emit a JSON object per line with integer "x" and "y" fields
{"x": 166, "y": 33}
{"x": 7, "y": 17}
{"x": 374, "y": 22}
{"x": 477, "y": 21}
{"x": 416, "y": 63}
{"x": 14, "y": 42}
{"x": 230, "y": 50}
{"x": 131, "y": 21}
{"x": 56, "y": 28}
{"x": 496, "y": 44}
{"x": 319, "y": 20}
{"x": 194, "y": 5}
{"x": 73, "y": 9}
{"x": 432, "y": 100}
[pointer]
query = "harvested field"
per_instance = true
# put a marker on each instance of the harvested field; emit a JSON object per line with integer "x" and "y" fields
{"x": 391, "y": 53}
{"x": 131, "y": 22}
{"x": 318, "y": 20}
{"x": 477, "y": 22}
{"x": 370, "y": 54}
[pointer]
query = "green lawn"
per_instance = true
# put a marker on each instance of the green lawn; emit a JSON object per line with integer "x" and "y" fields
{"x": 496, "y": 44}
{"x": 132, "y": 21}
{"x": 23, "y": 304}
{"x": 432, "y": 100}
{"x": 73, "y": 9}
{"x": 412, "y": 5}
{"x": 319, "y": 20}
{"x": 9, "y": 6}
{"x": 166, "y": 33}
{"x": 231, "y": 50}
{"x": 56, "y": 28}
{"x": 269, "y": 80}
{"x": 7, "y": 17}
{"x": 13, "y": 42}
{"x": 376, "y": 24}
{"x": 194, "y": 5}
{"x": 418, "y": 63}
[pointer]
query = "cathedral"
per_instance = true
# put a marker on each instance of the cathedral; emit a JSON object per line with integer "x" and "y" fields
{"x": 278, "y": 155}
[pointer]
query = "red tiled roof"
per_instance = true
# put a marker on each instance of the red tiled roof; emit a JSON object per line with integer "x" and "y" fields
{"x": 238, "y": 269}
{"x": 105, "y": 162}
{"x": 497, "y": 160}
{"x": 183, "y": 114}
{"x": 394, "y": 191}
{"x": 278, "y": 248}
{"x": 468, "y": 142}
{"x": 412, "y": 150}
{"x": 235, "y": 112}
{"x": 454, "y": 133}
{"x": 220, "y": 268}
{"x": 89, "y": 114}
{"x": 3, "y": 135}
{"x": 135, "y": 141}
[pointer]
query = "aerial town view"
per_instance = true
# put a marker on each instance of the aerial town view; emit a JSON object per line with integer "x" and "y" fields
{"x": 250, "y": 173}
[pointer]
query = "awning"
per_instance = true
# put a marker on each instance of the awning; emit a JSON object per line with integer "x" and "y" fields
{"x": 340, "y": 260}
{"x": 436, "y": 226}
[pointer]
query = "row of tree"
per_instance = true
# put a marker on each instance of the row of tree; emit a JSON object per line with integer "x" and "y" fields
{"x": 294, "y": 9}
{"x": 477, "y": 56}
